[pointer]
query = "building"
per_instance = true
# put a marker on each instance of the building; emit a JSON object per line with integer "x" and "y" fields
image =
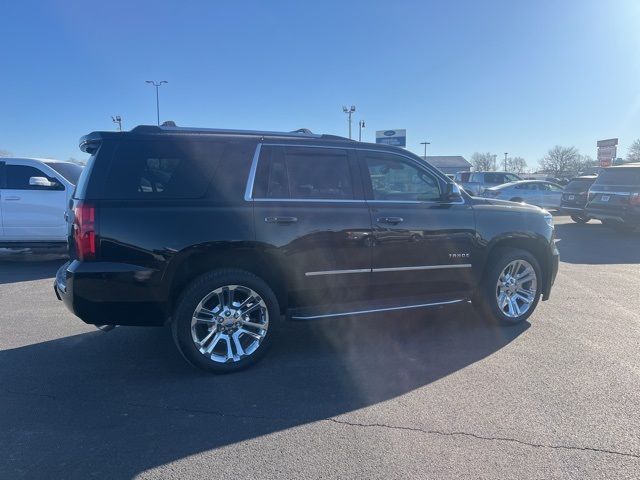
{"x": 449, "y": 163}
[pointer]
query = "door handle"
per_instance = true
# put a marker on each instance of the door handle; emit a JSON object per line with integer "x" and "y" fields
{"x": 281, "y": 219}
{"x": 391, "y": 220}
{"x": 12, "y": 197}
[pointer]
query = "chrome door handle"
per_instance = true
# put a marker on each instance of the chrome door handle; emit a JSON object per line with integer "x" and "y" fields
{"x": 281, "y": 219}
{"x": 13, "y": 197}
{"x": 391, "y": 220}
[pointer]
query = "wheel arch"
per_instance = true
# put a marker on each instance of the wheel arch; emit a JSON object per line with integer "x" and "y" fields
{"x": 193, "y": 262}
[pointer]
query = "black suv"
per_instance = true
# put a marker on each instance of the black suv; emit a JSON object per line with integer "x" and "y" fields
{"x": 221, "y": 233}
{"x": 614, "y": 197}
{"x": 574, "y": 197}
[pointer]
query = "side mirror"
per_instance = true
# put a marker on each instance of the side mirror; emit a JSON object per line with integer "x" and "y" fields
{"x": 42, "y": 182}
{"x": 452, "y": 192}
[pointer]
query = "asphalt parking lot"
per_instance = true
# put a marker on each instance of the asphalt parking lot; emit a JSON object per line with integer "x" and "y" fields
{"x": 420, "y": 394}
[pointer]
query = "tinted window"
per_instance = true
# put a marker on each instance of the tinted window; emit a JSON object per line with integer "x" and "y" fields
{"x": 162, "y": 169}
{"x": 70, "y": 171}
{"x": 395, "y": 179}
{"x": 525, "y": 186}
{"x": 619, "y": 176}
{"x": 18, "y": 178}
{"x": 463, "y": 176}
{"x": 498, "y": 178}
{"x": 578, "y": 185}
{"x": 303, "y": 173}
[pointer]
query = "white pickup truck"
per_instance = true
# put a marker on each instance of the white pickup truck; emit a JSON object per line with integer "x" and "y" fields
{"x": 34, "y": 194}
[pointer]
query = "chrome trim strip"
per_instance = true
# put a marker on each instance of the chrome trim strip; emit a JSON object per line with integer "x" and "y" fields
{"x": 252, "y": 174}
{"x": 306, "y": 200}
{"x": 337, "y": 272}
{"x": 421, "y": 267}
{"x": 602, "y": 192}
{"x": 388, "y": 309}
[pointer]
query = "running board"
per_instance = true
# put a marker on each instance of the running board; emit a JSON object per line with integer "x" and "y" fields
{"x": 362, "y": 308}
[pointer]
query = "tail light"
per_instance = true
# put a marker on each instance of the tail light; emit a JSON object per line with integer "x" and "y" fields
{"x": 84, "y": 231}
{"x": 634, "y": 199}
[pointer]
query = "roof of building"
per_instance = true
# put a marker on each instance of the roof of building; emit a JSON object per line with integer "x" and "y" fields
{"x": 447, "y": 161}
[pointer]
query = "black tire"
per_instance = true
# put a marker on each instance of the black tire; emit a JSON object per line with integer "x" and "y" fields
{"x": 579, "y": 219}
{"x": 191, "y": 297}
{"x": 485, "y": 299}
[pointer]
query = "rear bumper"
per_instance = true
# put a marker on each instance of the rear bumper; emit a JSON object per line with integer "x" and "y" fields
{"x": 105, "y": 293}
{"x": 631, "y": 217}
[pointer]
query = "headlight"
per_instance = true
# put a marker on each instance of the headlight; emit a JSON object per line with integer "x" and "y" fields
{"x": 548, "y": 218}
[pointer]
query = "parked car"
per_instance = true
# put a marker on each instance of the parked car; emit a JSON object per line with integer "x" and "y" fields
{"x": 574, "y": 197}
{"x": 34, "y": 195}
{"x": 476, "y": 183}
{"x": 614, "y": 197}
{"x": 220, "y": 232}
{"x": 533, "y": 192}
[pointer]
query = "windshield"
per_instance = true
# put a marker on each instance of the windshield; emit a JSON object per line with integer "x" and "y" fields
{"x": 70, "y": 171}
{"x": 580, "y": 185}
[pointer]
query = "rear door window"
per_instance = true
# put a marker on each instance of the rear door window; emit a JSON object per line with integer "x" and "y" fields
{"x": 303, "y": 173}
{"x": 162, "y": 169}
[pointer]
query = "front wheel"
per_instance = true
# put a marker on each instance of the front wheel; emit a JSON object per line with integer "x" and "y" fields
{"x": 511, "y": 287}
{"x": 579, "y": 219}
{"x": 224, "y": 320}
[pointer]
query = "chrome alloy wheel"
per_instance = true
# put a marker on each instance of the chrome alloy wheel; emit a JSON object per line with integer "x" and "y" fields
{"x": 516, "y": 288}
{"x": 229, "y": 323}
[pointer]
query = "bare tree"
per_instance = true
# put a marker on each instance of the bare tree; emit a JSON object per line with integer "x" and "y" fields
{"x": 561, "y": 161}
{"x": 5, "y": 153}
{"x": 483, "y": 162}
{"x": 633, "y": 155}
{"x": 516, "y": 164}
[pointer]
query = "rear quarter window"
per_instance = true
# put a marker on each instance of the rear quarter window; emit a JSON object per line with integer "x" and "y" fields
{"x": 164, "y": 168}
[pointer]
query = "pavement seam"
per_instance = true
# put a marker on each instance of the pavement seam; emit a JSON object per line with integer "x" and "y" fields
{"x": 481, "y": 437}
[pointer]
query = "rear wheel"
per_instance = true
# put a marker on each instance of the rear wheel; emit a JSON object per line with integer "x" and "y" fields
{"x": 511, "y": 287}
{"x": 579, "y": 219}
{"x": 224, "y": 320}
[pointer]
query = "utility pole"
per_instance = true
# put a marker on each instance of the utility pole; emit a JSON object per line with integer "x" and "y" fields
{"x": 157, "y": 84}
{"x": 505, "y": 161}
{"x": 349, "y": 112}
{"x": 361, "y": 125}
{"x": 118, "y": 121}
{"x": 425, "y": 148}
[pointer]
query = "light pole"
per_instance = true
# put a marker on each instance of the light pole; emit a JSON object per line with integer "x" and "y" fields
{"x": 425, "y": 148}
{"x": 361, "y": 125}
{"x": 349, "y": 111}
{"x": 157, "y": 84}
{"x": 118, "y": 121}
{"x": 505, "y": 161}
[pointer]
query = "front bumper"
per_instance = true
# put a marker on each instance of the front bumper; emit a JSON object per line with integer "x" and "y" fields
{"x": 105, "y": 293}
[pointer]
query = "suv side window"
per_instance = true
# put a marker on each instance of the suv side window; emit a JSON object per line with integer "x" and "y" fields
{"x": 18, "y": 178}
{"x": 162, "y": 169}
{"x": 394, "y": 179}
{"x": 303, "y": 173}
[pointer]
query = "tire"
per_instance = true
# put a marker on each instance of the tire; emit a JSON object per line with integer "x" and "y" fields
{"x": 228, "y": 344}
{"x": 487, "y": 298}
{"x": 579, "y": 219}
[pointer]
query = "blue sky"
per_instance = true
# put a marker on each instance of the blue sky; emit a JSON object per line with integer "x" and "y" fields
{"x": 512, "y": 76}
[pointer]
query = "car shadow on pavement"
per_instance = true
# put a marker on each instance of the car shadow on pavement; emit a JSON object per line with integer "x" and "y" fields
{"x": 593, "y": 243}
{"x": 19, "y": 270}
{"x": 117, "y": 404}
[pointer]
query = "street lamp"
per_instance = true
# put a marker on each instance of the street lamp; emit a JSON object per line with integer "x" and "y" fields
{"x": 361, "y": 125}
{"x": 349, "y": 111}
{"x": 118, "y": 121}
{"x": 505, "y": 161}
{"x": 425, "y": 148}
{"x": 157, "y": 84}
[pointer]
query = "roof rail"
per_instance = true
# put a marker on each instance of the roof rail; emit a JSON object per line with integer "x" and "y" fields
{"x": 171, "y": 129}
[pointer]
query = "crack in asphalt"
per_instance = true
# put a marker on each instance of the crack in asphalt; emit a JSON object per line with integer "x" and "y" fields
{"x": 475, "y": 436}
{"x": 482, "y": 437}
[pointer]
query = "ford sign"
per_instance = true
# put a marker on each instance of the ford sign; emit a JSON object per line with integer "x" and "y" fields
{"x": 390, "y": 133}
{"x": 392, "y": 137}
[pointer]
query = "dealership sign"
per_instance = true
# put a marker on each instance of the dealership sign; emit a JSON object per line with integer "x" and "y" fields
{"x": 392, "y": 137}
{"x": 607, "y": 150}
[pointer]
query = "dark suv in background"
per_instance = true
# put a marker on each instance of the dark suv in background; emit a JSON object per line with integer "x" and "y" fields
{"x": 614, "y": 197}
{"x": 574, "y": 197}
{"x": 221, "y": 233}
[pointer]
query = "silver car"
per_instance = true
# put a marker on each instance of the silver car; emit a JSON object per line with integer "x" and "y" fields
{"x": 534, "y": 192}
